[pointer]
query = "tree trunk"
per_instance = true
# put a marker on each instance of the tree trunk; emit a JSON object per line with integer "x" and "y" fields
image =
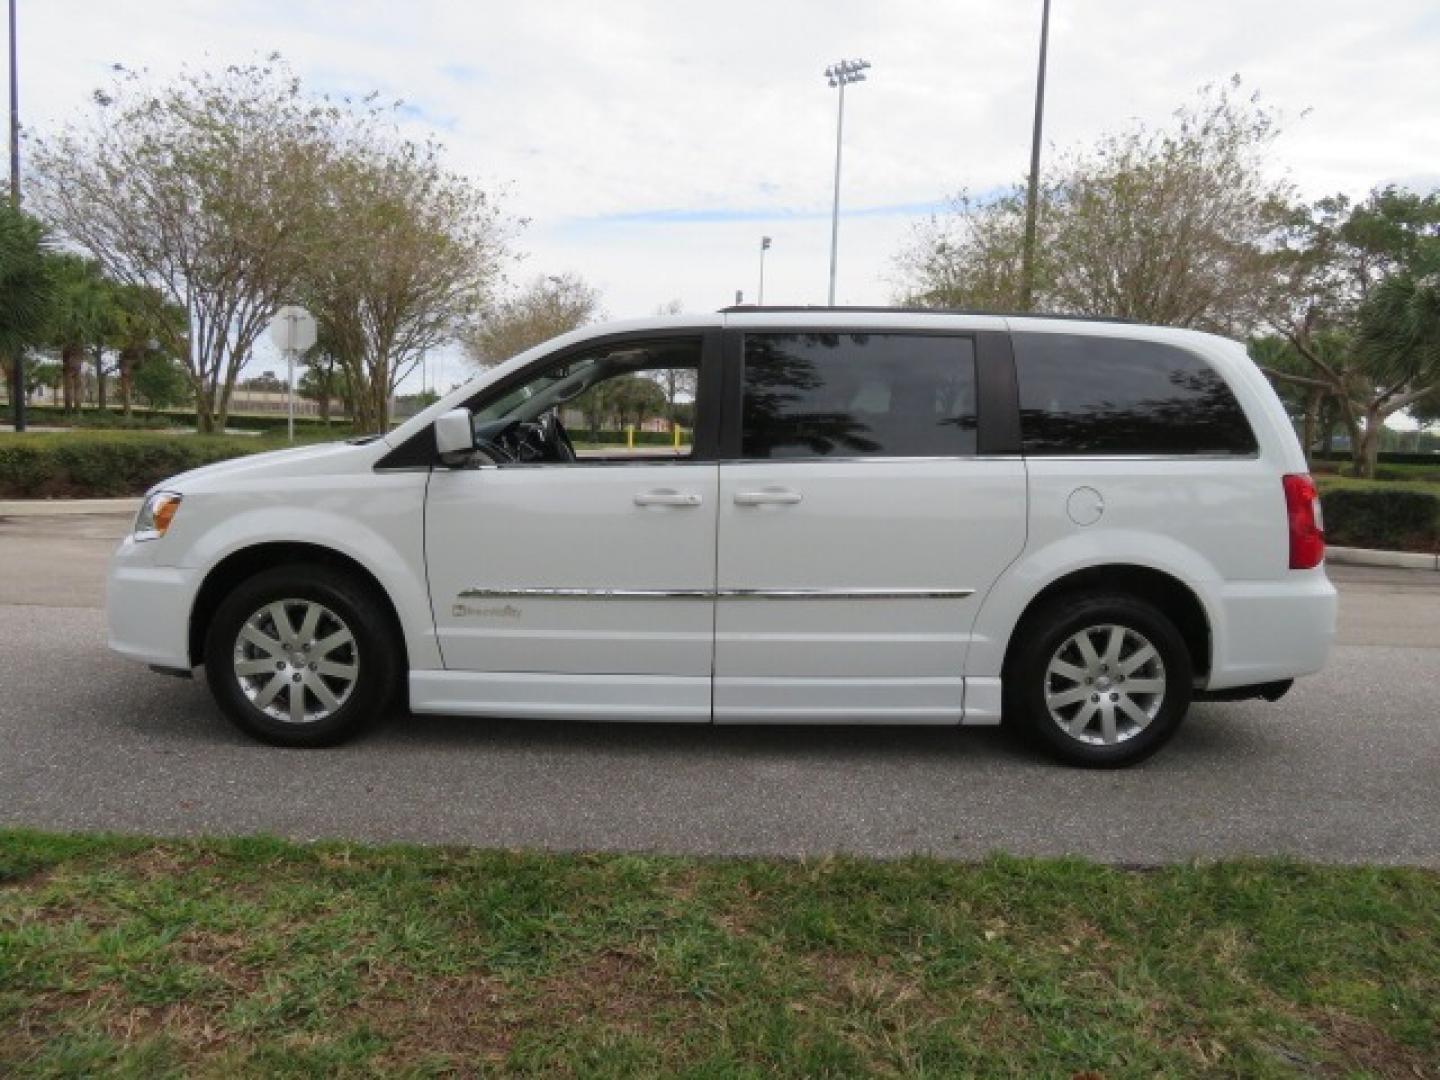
{"x": 377, "y": 407}
{"x": 204, "y": 408}
{"x": 369, "y": 401}
{"x": 100, "y": 376}
{"x": 128, "y": 358}
{"x": 1369, "y": 449}
{"x": 1356, "y": 436}
{"x": 71, "y": 357}
{"x": 1313, "y": 401}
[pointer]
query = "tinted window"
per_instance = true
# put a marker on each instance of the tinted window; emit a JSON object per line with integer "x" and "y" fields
{"x": 849, "y": 395}
{"x": 1098, "y": 395}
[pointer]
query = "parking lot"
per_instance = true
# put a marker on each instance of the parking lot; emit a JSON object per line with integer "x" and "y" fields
{"x": 1346, "y": 768}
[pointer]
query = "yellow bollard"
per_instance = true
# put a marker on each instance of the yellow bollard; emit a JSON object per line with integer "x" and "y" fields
{"x": 630, "y": 436}
{"x": 676, "y": 429}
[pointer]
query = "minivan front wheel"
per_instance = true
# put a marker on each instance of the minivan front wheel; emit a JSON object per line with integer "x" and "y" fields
{"x": 297, "y": 656}
{"x": 1100, "y": 679}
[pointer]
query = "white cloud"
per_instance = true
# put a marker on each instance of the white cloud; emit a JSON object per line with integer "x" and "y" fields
{"x": 652, "y": 143}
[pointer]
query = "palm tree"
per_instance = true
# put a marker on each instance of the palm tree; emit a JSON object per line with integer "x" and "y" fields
{"x": 1400, "y": 336}
{"x": 80, "y": 317}
{"x": 1400, "y": 323}
{"x": 26, "y": 292}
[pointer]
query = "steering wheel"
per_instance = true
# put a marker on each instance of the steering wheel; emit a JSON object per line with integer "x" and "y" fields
{"x": 557, "y": 439}
{"x": 523, "y": 442}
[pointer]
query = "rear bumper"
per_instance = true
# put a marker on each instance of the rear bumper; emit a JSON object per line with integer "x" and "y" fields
{"x": 1269, "y": 631}
{"x": 147, "y": 609}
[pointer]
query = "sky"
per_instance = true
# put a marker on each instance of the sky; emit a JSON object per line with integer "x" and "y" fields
{"x": 651, "y": 144}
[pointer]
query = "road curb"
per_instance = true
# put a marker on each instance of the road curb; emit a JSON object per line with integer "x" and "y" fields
{"x": 1407, "y": 560}
{"x": 58, "y": 507}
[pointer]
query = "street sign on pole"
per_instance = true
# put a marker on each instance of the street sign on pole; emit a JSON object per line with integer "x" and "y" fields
{"x": 294, "y": 330}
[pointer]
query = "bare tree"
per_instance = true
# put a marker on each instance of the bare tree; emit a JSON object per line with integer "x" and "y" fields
{"x": 549, "y": 306}
{"x": 1166, "y": 225}
{"x": 411, "y": 253}
{"x": 202, "y": 188}
{"x": 970, "y": 258}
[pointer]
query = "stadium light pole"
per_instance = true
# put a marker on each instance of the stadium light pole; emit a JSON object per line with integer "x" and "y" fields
{"x": 840, "y": 75}
{"x": 14, "y": 117}
{"x": 1032, "y": 191}
{"x": 764, "y": 247}
{"x": 17, "y": 374}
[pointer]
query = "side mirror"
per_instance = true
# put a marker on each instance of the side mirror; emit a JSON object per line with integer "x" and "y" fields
{"x": 455, "y": 436}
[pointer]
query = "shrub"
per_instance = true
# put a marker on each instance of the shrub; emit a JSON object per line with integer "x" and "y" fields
{"x": 1393, "y": 457}
{"x": 95, "y": 464}
{"x": 1375, "y": 518}
{"x": 54, "y": 416}
{"x": 102, "y": 420}
{"x": 617, "y": 438}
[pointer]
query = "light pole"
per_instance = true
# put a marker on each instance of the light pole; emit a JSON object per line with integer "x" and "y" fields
{"x": 840, "y": 74}
{"x": 17, "y": 373}
{"x": 764, "y": 247}
{"x": 1032, "y": 192}
{"x": 14, "y": 117}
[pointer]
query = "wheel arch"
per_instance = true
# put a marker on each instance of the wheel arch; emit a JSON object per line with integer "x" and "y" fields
{"x": 1172, "y": 596}
{"x": 247, "y": 561}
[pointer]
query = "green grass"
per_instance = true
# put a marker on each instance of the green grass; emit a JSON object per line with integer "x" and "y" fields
{"x": 259, "y": 957}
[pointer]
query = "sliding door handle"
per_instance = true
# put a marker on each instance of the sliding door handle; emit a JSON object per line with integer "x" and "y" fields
{"x": 667, "y": 497}
{"x": 773, "y": 496}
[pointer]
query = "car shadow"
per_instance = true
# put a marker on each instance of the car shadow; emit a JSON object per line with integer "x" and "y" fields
{"x": 182, "y": 712}
{"x": 812, "y": 741}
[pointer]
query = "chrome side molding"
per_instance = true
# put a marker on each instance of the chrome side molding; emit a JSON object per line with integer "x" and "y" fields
{"x": 844, "y": 594}
{"x": 712, "y": 594}
{"x": 588, "y": 594}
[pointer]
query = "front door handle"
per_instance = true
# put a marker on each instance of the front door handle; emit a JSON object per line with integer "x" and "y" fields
{"x": 773, "y": 496}
{"x": 667, "y": 497}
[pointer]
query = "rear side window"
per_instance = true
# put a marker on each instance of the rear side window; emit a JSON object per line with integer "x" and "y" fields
{"x": 1096, "y": 395}
{"x": 855, "y": 395}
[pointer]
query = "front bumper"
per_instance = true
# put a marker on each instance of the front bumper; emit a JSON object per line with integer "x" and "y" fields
{"x": 147, "y": 607}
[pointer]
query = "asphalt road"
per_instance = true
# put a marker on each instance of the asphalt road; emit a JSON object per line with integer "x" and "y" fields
{"x": 1345, "y": 769}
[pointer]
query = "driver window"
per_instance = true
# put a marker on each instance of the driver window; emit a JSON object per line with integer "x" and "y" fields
{"x": 621, "y": 403}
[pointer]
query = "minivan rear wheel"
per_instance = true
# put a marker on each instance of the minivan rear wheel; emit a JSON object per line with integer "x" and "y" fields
{"x": 298, "y": 656}
{"x": 1102, "y": 680}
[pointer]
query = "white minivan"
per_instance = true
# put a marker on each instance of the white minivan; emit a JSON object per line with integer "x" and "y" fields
{"x": 867, "y": 516}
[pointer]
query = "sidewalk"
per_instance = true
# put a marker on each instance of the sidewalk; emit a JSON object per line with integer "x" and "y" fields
{"x": 63, "y": 507}
{"x": 1403, "y": 560}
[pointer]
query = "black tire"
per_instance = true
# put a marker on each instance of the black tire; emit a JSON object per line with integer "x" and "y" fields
{"x": 375, "y": 655}
{"x": 1039, "y": 641}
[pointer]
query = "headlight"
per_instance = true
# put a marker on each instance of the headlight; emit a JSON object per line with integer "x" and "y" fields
{"x": 156, "y": 514}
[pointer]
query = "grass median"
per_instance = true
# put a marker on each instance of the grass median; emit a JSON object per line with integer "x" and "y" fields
{"x": 269, "y": 958}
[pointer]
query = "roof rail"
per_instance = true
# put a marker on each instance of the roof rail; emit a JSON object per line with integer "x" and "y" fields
{"x": 910, "y": 310}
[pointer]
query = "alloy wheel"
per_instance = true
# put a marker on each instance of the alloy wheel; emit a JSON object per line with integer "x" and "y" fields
{"x": 1105, "y": 684}
{"x": 296, "y": 661}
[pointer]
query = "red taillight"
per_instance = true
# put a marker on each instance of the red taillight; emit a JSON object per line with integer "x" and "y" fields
{"x": 1307, "y": 527}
